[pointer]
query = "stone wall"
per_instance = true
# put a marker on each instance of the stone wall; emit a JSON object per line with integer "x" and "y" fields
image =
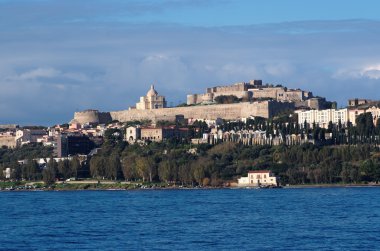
{"x": 91, "y": 116}
{"x": 264, "y": 109}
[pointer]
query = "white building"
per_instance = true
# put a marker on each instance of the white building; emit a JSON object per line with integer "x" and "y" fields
{"x": 322, "y": 118}
{"x": 259, "y": 178}
{"x": 151, "y": 101}
{"x": 132, "y": 134}
{"x": 27, "y": 136}
{"x": 356, "y": 111}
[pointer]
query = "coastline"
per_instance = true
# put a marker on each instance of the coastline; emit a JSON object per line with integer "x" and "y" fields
{"x": 333, "y": 185}
{"x": 92, "y": 185}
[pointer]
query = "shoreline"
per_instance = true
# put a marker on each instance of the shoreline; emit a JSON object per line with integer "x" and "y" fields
{"x": 109, "y": 186}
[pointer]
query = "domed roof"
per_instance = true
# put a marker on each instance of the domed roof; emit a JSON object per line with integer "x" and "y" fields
{"x": 151, "y": 92}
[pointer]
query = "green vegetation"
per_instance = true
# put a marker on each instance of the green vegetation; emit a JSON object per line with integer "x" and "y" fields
{"x": 226, "y": 99}
{"x": 215, "y": 165}
{"x": 29, "y": 151}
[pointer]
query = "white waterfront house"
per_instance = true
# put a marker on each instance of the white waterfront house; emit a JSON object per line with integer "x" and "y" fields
{"x": 259, "y": 178}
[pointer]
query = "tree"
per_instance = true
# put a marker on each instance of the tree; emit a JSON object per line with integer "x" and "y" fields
{"x": 165, "y": 170}
{"x": 48, "y": 176}
{"x": 198, "y": 172}
{"x": 64, "y": 169}
{"x": 113, "y": 167}
{"x": 346, "y": 173}
{"x": 2, "y": 169}
{"x": 184, "y": 173}
{"x": 75, "y": 166}
{"x": 367, "y": 170}
{"x": 129, "y": 167}
{"x": 146, "y": 168}
{"x": 113, "y": 135}
{"x": 49, "y": 173}
{"x": 97, "y": 169}
{"x": 16, "y": 171}
{"x": 30, "y": 170}
{"x": 226, "y": 99}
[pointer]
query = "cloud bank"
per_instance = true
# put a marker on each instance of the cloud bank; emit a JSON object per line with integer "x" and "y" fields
{"x": 48, "y": 71}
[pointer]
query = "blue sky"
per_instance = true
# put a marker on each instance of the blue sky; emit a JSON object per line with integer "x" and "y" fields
{"x": 57, "y": 57}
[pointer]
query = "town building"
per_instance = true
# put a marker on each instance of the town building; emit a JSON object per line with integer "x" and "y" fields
{"x": 132, "y": 134}
{"x": 26, "y": 136}
{"x": 72, "y": 144}
{"x": 322, "y": 118}
{"x": 209, "y": 122}
{"x": 8, "y": 139}
{"x": 259, "y": 178}
{"x": 155, "y": 134}
{"x": 358, "y": 101}
{"x": 151, "y": 101}
{"x": 354, "y": 112}
{"x": 8, "y": 126}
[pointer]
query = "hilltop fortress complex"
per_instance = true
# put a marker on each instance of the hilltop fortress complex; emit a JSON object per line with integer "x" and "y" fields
{"x": 257, "y": 100}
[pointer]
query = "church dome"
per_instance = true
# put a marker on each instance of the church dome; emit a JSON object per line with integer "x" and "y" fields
{"x": 151, "y": 92}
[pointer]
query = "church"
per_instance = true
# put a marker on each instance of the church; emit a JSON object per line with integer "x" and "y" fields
{"x": 151, "y": 101}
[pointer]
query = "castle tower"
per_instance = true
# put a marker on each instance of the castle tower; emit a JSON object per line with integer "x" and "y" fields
{"x": 151, "y": 101}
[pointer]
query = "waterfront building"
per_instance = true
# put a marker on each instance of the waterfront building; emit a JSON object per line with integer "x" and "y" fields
{"x": 259, "y": 178}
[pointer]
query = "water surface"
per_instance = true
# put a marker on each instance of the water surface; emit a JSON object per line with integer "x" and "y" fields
{"x": 237, "y": 219}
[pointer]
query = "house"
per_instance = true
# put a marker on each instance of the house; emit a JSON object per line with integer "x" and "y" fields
{"x": 156, "y": 134}
{"x": 259, "y": 178}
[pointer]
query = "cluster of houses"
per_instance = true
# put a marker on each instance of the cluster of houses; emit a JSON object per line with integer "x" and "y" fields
{"x": 355, "y": 107}
{"x": 249, "y": 138}
{"x": 66, "y": 141}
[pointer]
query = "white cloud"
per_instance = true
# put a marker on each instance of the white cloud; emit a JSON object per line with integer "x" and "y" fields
{"x": 363, "y": 72}
{"x": 372, "y": 72}
{"x": 37, "y": 73}
{"x": 109, "y": 67}
{"x": 47, "y": 73}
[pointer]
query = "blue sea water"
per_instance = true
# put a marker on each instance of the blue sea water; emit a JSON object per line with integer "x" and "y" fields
{"x": 225, "y": 219}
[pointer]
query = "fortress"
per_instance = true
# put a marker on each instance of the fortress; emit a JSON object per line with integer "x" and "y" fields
{"x": 264, "y": 101}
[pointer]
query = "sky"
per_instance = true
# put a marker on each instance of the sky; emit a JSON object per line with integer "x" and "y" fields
{"x": 58, "y": 57}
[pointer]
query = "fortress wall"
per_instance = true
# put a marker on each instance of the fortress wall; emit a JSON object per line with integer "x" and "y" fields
{"x": 199, "y": 98}
{"x": 265, "y": 92}
{"x": 89, "y": 116}
{"x": 225, "y": 111}
{"x": 264, "y": 109}
{"x": 104, "y": 117}
{"x": 238, "y": 94}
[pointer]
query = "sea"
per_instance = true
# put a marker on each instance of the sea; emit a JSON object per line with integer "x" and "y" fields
{"x": 192, "y": 219}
